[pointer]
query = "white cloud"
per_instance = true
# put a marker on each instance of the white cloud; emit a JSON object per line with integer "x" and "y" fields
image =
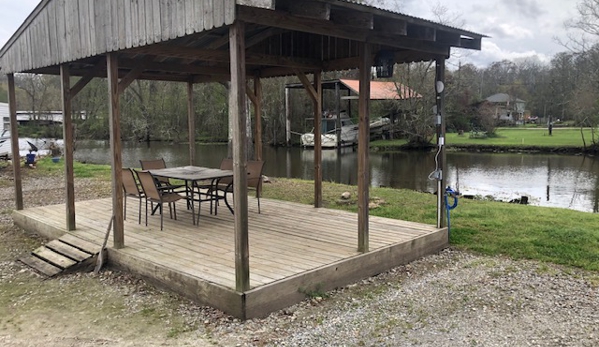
{"x": 501, "y": 29}
{"x": 517, "y": 28}
{"x": 517, "y": 32}
{"x": 491, "y": 52}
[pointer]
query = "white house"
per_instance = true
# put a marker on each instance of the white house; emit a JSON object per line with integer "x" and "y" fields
{"x": 507, "y": 108}
{"x": 5, "y": 116}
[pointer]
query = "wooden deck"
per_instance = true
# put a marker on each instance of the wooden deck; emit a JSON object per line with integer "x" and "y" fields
{"x": 294, "y": 249}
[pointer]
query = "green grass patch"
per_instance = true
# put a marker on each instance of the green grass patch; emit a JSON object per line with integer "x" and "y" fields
{"x": 513, "y": 137}
{"x": 560, "y": 137}
{"x": 389, "y": 143}
{"x": 554, "y": 235}
{"x": 47, "y": 166}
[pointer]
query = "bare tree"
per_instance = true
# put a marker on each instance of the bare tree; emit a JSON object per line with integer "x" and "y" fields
{"x": 586, "y": 23}
{"x": 40, "y": 91}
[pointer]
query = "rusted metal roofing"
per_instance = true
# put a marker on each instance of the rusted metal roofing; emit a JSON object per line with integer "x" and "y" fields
{"x": 383, "y": 90}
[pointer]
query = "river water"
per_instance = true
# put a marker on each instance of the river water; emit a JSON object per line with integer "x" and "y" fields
{"x": 564, "y": 181}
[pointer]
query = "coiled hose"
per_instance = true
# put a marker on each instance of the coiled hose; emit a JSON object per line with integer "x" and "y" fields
{"x": 450, "y": 193}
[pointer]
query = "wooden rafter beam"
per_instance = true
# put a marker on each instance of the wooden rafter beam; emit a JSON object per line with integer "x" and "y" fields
{"x": 474, "y": 43}
{"x": 219, "y": 42}
{"x": 312, "y": 92}
{"x": 276, "y": 72}
{"x": 210, "y": 79}
{"x": 154, "y": 76}
{"x": 85, "y": 79}
{"x": 402, "y": 56}
{"x": 355, "y": 19}
{"x": 391, "y": 27}
{"x": 422, "y": 33}
{"x": 175, "y": 68}
{"x": 251, "y": 95}
{"x": 261, "y": 36}
{"x": 322, "y": 27}
{"x": 129, "y": 78}
{"x": 449, "y": 38}
{"x": 310, "y": 9}
{"x": 199, "y": 54}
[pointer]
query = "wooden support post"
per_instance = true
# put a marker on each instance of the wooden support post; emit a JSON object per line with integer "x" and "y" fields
{"x": 258, "y": 114}
{"x": 237, "y": 111}
{"x": 115, "y": 148}
{"x": 287, "y": 118}
{"x": 338, "y": 112}
{"x": 442, "y": 164}
{"x": 67, "y": 129}
{"x": 315, "y": 92}
{"x": 14, "y": 140}
{"x": 191, "y": 123}
{"x": 363, "y": 148}
{"x": 318, "y": 140}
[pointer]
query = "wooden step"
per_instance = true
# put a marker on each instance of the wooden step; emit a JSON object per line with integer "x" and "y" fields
{"x": 54, "y": 258}
{"x": 69, "y": 253}
{"x": 40, "y": 265}
{"x": 81, "y": 244}
{"x": 68, "y": 250}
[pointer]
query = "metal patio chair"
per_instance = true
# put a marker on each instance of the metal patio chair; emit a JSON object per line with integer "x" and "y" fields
{"x": 254, "y": 178}
{"x": 131, "y": 188}
{"x": 153, "y": 194}
{"x": 163, "y": 182}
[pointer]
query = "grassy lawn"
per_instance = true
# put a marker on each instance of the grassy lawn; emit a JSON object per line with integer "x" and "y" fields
{"x": 568, "y": 137}
{"x": 519, "y": 231}
{"x": 80, "y": 170}
{"x": 561, "y": 137}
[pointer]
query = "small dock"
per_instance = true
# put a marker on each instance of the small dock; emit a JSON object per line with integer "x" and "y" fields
{"x": 295, "y": 249}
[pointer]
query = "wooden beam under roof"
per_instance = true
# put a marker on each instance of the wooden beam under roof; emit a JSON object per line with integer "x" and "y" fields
{"x": 471, "y": 43}
{"x": 421, "y": 32}
{"x": 200, "y": 54}
{"x": 322, "y": 27}
{"x": 449, "y": 38}
{"x": 309, "y": 9}
{"x": 188, "y": 69}
{"x": 362, "y": 20}
{"x": 391, "y": 27}
{"x": 154, "y": 76}
{"x": 262, "y": 35}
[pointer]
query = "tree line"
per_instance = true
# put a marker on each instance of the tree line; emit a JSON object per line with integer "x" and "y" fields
{"x": 566, "y": 88}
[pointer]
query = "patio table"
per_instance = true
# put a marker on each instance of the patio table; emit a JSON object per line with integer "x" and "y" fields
{"x": 192, "y": 175}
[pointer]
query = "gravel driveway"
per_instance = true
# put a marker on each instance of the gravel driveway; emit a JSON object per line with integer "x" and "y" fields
{"x": 454, "y": 298}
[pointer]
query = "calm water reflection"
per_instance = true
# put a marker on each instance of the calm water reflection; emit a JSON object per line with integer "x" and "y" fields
{"x": 549, "y": 180}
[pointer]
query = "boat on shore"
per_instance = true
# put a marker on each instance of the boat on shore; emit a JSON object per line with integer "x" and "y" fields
{"x": 5, "y": 146}
{"x": 328, "y": 128}
{"x": 349, "y": 131}
{"x": 41, "y": 147}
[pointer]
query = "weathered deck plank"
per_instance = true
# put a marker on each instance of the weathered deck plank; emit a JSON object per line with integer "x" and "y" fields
{"x": 292, "y": 246}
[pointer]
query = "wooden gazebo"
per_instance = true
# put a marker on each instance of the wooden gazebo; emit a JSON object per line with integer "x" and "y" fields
{"x": 196, "y": 41}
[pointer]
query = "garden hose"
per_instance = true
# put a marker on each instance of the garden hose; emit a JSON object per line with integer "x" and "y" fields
{"x": 450, "y": 193}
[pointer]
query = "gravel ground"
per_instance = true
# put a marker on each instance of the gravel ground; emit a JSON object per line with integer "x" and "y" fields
{"x": 454, "y": 298}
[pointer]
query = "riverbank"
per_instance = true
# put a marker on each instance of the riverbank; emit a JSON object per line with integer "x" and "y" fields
{"x": 509, "y": 140}
{"x": 458, "y": 297}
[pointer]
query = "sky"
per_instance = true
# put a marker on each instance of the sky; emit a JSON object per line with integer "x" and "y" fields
{"x": 518, "y": 29}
